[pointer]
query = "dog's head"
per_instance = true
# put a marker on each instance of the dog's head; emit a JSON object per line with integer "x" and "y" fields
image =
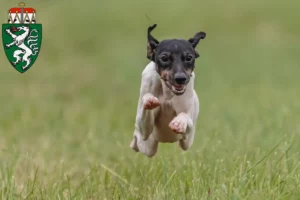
{"x": 174, "y": 58}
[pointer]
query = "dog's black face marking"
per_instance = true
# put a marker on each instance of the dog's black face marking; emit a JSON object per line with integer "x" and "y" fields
{"x": 175, "y": 63}
{"x": 175, "y": 59}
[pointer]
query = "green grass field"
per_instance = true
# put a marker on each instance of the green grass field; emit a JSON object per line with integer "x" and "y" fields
{"x": 66, "y": 124}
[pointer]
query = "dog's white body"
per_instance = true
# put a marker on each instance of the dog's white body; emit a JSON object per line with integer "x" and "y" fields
{"x": 168, "y": 118}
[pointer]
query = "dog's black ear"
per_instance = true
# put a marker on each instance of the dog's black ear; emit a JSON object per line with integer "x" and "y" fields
{"x": 195, "y": 40}
{"x": 152, "y": 44}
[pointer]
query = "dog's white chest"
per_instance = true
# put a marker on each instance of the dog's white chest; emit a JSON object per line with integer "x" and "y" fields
{"x": 165, "y": 115}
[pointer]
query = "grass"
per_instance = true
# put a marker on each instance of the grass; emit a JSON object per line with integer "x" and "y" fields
{"x": 66, "y": 124}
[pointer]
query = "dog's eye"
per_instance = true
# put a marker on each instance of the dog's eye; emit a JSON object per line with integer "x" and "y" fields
{"x": 164, "y": 58}
{"x": 189, "y": 58}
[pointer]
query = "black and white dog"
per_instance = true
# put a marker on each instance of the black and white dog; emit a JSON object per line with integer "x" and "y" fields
{"x": 168, "y": 105}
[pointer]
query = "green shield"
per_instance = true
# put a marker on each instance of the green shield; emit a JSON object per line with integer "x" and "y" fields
{"x": 22, "y": 44}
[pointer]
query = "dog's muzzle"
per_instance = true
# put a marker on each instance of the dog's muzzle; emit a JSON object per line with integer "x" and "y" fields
{"x": 177, "y": 89}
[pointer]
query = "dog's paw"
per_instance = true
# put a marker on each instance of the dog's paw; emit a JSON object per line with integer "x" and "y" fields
{"x": 151, "y": 102}
{"x": 178, "y": 125}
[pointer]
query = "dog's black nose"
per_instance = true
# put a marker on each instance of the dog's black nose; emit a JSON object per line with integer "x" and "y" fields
{"x": 180, "y": 78}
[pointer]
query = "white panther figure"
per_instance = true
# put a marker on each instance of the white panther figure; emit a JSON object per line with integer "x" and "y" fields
{"x": 19, "y": 42}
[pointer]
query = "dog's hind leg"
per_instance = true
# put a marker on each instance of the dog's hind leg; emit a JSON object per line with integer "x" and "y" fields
{"x": 133, "y": 143}
{"x": 147, "y": 147}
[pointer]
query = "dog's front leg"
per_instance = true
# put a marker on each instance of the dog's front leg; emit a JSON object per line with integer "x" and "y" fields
{"x": 143, "y": 141}
{"x": 148, "y": 107}
{"x": 183, "y": 124}
{"x": 148, "y": 101}
{"x": 145, "y": 116}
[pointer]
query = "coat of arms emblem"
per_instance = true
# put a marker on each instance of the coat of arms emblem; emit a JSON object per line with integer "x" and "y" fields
{"x": 22, "y": 37}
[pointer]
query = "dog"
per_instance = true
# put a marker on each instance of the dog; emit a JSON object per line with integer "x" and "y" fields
{"x": 168, "y": 105}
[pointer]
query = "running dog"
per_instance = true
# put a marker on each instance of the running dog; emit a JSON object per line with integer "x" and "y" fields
{"x": 168, "y": 105}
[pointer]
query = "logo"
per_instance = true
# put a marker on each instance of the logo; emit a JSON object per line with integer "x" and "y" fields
{"x": 22, "y": 37}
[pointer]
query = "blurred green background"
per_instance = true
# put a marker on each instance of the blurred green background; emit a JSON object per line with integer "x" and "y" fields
{"x": 66, "y": 124}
